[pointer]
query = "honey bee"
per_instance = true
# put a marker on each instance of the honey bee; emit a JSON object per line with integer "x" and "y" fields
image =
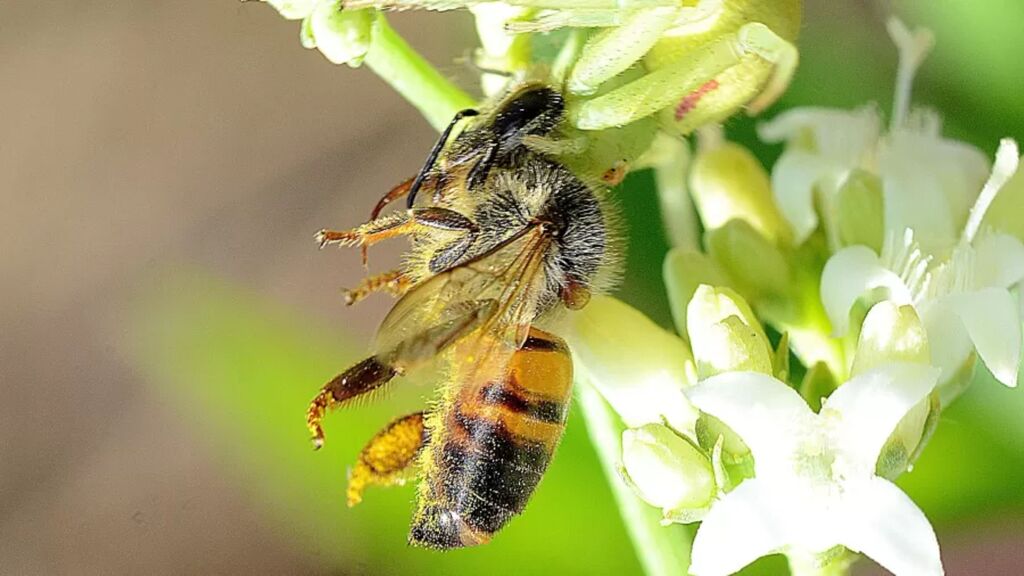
{"x": 503, "y": 239}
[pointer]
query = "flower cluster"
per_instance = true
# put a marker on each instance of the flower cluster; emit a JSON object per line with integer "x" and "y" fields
{"x": 888, "y": 263}
{"x": 683, "y": 63}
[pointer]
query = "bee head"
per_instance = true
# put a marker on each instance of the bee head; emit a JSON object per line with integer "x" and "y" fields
{"x": 535, "y": 110}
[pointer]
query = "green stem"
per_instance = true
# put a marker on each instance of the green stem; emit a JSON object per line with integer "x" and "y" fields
{"x": 662, "y": 550}
{"x": 405, "y": 70}
{"x": 671, "y": 160}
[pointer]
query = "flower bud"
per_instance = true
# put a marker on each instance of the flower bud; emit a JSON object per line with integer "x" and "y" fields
{"x": 890, "y": 333}
{"x": 817, "y": 384}
{"x": 293, "y": 9}
{"x": 728, "y": 183}
{"x": 684, "y": 270}
{"x": 893, "y": 333}
{"x": 908, "y": 439}
{"x": 725, "y": 334}
{"x": 343, "y": 36}
{"x": 639, "y": 368}
{"x": 860, "y": 211}
{"x": 757, "y": 266}
{"x": 667, "y": 471}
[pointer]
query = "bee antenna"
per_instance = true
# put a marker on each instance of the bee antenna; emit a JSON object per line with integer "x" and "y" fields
{"x": 435, "y": 152}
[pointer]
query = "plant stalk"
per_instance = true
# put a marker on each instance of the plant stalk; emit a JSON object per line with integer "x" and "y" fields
{"x": 662, "y": 550}
{"x": 412, "y": 76}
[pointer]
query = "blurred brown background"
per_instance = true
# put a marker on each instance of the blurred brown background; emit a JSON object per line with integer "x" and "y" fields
{"x": 133, "y": 134}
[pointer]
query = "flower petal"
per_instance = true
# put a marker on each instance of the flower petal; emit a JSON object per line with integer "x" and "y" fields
{"x": 929, "y": 185}
{"x": 949, "y": 342}
{"x": 840, "y": 135}
{"x": 823, "y": 146}
{"x": 768, "y": 415}
{"x": 869, "y": 407}
{"x": 992, "y": 319}
{"x": 1006, "y": 212}
{"x": 850, "y": 273}
{"x": 998, "y": 261}
{"x": 639, "y": 368}
{"x": 1003, "y": 170}
{"x": 880, "y": 521}
{"x": 795, "y": 177}
{"x": 744, "y": 525}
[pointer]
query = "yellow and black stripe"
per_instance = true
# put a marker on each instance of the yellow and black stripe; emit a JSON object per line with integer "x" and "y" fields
{"x": 494, "y": 442}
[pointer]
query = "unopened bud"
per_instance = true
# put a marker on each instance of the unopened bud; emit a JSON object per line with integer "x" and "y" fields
{"x": 343, "y": 36}
{"x": 725, "y": 334}
{"x": 758, "y": 267}
{"x": 666, "y": 470}
{"x": 890, "y": 333}
{"x": 860, "y": 211}
{"x": 729, "y": 183}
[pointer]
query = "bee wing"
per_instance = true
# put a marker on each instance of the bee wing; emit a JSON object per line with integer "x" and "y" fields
{"x": 484, "y": 305}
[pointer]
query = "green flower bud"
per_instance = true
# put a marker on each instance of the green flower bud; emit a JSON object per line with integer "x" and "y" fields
{"x": 725, "y": 334}
{"x": 817, "y": 384}
{"x": 736, "y": 460}
{"x": 859, "y": 211}
{"x": 293, "y": 9}
{"x": 667, "y": 471}
{"x": 728, "y": 183}
{"x": 890, "y": 333}
{"x": 757, "y": 267}
{"x": 684, "y": 270}
{"x": 343, "y": 36}
{"x": 909, "y": 438}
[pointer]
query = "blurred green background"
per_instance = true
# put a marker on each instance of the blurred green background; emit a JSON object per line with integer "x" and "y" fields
{"x": 166, "y": 317}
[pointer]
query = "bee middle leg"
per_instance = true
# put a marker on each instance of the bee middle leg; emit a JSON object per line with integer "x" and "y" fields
{"x": 394, "y": 282}
{"x": 398, "y": 224}
{"x": 389, "y": 457}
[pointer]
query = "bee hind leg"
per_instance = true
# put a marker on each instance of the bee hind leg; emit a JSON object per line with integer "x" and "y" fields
{"x": 389, "y": 458}
{"x": 364, "y": 377}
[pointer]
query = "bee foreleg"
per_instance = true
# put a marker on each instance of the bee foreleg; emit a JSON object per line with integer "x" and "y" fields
{"x": 394, "y": 194}
{"x": 394, "y": 282}
{"x": 364, "y": 377}
{"x": 388, "y": 458}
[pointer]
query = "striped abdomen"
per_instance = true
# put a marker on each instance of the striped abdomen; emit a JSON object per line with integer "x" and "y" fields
{"x": 491, "y": 446}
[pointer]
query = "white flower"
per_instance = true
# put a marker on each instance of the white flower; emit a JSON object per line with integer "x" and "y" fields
{"x": 964, "y": 300}
{"x": 928, "y": 182}
{"x": 815, "y": 485}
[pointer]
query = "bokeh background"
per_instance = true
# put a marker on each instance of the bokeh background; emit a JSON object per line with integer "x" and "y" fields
{"x": 165, "y": 316}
